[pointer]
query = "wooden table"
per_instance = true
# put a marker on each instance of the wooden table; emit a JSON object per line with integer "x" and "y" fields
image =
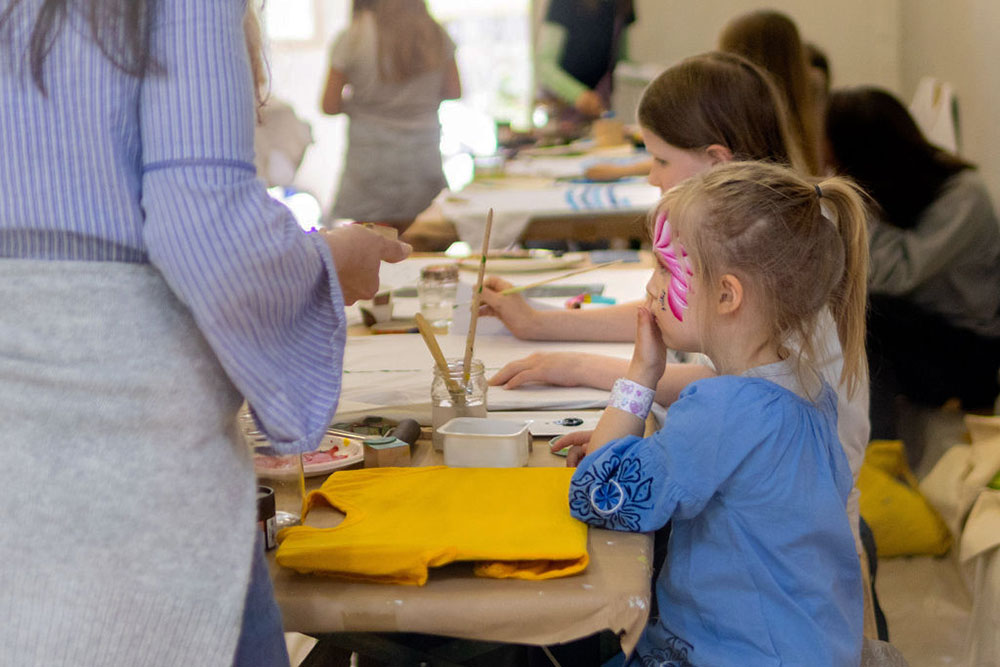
{"x": 612, "y": 594}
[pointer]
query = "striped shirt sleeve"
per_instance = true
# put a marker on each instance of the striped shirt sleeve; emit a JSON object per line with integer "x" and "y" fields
{"x": 264, "y": 294}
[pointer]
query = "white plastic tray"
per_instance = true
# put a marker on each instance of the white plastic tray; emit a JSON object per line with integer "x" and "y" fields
{"x": 477, "y": 442}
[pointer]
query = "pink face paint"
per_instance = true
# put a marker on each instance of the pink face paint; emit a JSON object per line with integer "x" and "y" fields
{"x": 674, "y": 258}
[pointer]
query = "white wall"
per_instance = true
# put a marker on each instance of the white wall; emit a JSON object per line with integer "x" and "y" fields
{"x": 861, "y": 37}
{"x": 298, "y": 74}
{"x": 889, "y": 43}
{"x": 957, "y": 41}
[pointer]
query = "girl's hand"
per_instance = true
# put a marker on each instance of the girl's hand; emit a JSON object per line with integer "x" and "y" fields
{"x": 556, "y": 368}
{"x": 650, "y": 355}
{"x": 511, "y": 309}
{"x": 576, "y": 441}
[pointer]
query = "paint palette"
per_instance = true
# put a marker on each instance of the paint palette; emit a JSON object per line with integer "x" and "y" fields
{"x": 335, "y": 453}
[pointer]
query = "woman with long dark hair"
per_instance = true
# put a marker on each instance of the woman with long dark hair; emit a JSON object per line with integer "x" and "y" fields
{"x": 148, "y": 284}
{"x": 934, "y": 322}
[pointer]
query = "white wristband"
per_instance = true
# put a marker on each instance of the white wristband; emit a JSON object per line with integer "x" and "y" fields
{"x": 631, "y": 397}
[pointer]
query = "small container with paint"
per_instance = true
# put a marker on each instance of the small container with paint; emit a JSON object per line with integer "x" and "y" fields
{"x": 265, "y": 516}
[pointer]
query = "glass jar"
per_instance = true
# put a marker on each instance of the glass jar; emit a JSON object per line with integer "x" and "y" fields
{"x": 454, "y": 399}
{"x": 436, "y": 290}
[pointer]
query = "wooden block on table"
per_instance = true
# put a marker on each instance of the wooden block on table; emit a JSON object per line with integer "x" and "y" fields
{"x": 386, "y": 452}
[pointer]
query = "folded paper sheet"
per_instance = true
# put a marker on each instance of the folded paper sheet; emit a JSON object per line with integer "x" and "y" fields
{"x": 514, "y": 522}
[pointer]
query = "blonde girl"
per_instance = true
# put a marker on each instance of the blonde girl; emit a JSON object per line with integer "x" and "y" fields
{"x": 399, "y": 64}
{"x": 748, "y": 466}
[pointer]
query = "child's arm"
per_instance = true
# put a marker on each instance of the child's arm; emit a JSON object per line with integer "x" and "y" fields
{"x": 333, "y": 99}
{"x": 605, "y": 171}
{"x": 614, "y": 323}
{"x": 646, "y": 369}
{"x": 569, "y": 369}
{"x": 638, "y": 484}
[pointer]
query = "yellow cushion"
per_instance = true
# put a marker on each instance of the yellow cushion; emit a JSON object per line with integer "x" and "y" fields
{"x": 901, "y": 519}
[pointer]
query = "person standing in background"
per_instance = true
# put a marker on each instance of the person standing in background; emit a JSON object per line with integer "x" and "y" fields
{"x": 771, "y": 40}
{"x": 389, "y": 72}
{"x": 579, "y": 44}
{"x": 149, "y": 284}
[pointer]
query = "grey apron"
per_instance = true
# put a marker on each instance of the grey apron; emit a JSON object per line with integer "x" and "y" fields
{"x": 128, "y": 496}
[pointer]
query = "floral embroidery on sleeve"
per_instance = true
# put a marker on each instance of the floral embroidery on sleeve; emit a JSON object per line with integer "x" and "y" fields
{"x": 674, "y": 654}
{"x": 613, "y": 493}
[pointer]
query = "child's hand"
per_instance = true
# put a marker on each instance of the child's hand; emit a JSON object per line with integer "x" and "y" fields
{"x": 575, "y": 441}
{"x": 512, "y": 309}
{"x": 562, "y": 369}
{"x": 650, "y": 355}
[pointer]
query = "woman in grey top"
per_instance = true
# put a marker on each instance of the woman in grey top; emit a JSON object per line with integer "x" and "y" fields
{"x": 398, "y": 65}
{"x": 934, "y": 322}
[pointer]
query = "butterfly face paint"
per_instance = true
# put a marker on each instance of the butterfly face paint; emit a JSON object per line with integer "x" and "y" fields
{"x": 674, "y": 258}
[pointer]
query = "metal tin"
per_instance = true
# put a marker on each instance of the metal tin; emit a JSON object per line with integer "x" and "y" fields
{"x": 265, "y": 516}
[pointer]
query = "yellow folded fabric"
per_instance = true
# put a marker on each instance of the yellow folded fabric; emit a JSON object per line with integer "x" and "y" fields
{"x": 902, "y": 521}
{"x": 514, "y": 522}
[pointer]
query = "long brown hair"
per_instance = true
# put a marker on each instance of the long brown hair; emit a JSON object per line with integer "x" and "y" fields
{"x": 800, "y": 246}
{"x": 120, "y": 28}
{"x": 254, "y": 37}
{"x": 874, "y": 140}
{"x": 771, "y": 40}
{"x": 720, "y": 98}
{"x": 410, "y": 41}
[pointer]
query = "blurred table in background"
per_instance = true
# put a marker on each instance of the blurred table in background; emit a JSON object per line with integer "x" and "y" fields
{"x": 541, "y": 195}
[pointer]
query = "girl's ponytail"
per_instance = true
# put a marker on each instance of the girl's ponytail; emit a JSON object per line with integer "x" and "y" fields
{"x": 843, "y": 203}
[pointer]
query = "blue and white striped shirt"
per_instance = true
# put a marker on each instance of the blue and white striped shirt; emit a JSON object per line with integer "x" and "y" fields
{"x": 106, "y": 167}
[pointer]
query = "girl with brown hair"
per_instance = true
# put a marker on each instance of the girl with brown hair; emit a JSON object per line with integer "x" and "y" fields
{"x": 705, "y": 110}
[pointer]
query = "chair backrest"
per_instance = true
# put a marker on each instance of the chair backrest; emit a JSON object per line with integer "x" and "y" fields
{"x": 935, "y": 109}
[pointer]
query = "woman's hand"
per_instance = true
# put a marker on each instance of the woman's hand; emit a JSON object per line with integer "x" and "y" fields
{"x": 589, "y": 104}
{"x": 511, "y": 309}
{"x": 358, "y": 253}
{"x": 556, "y": 368}
{"x": 649, "y": 358}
